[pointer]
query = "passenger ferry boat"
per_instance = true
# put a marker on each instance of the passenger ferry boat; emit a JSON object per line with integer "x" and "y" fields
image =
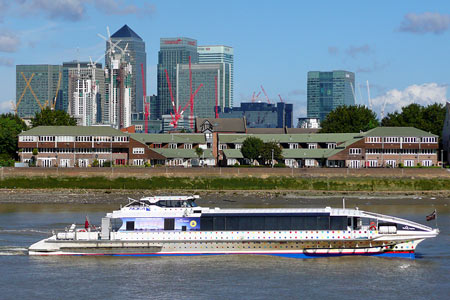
{"x": 175, "y": 225}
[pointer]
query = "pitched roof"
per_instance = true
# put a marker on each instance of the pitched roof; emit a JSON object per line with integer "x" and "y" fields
{"x": 73, "y": 131}
{"x": 125, "y": 32}
{"x": 223, "y": 125}
{"x": 182, "y": 153}
{"x": 398, "y": 131}
{"x": 290, "y": 138}
{"x": 197, "y": 138}
{"x": 290, "y": 153}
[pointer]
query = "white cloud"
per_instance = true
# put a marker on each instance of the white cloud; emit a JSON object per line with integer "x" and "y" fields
{"x": 5, "y": 106}
{"x": 423, "y": 94}
{"x": 9, "y": 42}
{"x": 354, "y": 51}
{"x": 6, "y": 62}
{"x": 423, "y": 23}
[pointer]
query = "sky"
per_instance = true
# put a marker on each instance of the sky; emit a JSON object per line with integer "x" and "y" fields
{"x": 400, "y": 47}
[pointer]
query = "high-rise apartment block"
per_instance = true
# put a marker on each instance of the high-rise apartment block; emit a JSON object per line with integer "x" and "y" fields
{"x": 223, "y": 55}
{"x": 173, "y": 51}
{"x": 135, "y": 55}
{"x": 328, "y": 90}
{"x": 38, "y": 86}
{"x": 86, "y": 91}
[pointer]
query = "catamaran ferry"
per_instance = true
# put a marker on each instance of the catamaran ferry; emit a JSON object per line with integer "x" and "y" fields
{"x": 175, "y": 225}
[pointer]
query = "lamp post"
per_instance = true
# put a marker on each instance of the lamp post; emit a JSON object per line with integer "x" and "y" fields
{"x": 272, "y": 158}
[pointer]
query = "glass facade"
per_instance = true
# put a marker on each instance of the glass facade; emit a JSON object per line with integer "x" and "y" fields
{"x": 262, "y": 115}
{"x": 328, "y": 90}
{"x": 41, "y": 88}
{"x": 173, "y": 51}
{"x": 205, "y": 99}
{"x": 220, "y": 54}
{"x": 136, "y": 56}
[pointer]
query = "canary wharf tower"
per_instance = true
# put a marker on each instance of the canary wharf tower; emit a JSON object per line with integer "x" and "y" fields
{"x": 136, "y": 57}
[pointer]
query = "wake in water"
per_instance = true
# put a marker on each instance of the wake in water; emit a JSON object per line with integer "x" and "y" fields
{"x": 25, "y": 231}
{"x": 13, "y": 250}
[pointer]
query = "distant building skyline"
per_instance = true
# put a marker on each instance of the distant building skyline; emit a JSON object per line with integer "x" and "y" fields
{"x": 328, "y": 90}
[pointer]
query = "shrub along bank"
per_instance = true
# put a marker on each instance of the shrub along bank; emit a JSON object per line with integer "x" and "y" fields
{"x": 218, "y": 183}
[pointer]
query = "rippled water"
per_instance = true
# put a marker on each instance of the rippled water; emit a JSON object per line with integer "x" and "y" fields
{"x": 211, "y": 277}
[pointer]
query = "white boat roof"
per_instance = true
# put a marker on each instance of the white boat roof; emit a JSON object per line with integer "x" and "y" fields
{"x": 155, "y": 199}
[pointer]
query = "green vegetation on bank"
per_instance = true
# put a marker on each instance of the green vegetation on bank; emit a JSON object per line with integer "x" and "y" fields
{"x": 232, "y": 183}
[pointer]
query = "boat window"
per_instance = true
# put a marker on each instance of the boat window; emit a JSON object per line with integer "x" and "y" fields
{"x": 323, "y": 223}
{"x": 206, "y": 224}
{"x": 169, "y": 224}
{"x": 130, "y": 225}
{"x": 192, "y": 203}
{"x": 219, "y": 223}
{"x": 116, "y": 223}
{"x": 338, "y": 223}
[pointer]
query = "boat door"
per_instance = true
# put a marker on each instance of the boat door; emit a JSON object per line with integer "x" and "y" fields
{"x": 169, "y": 224}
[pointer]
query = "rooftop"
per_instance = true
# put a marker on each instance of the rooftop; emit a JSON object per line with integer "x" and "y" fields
{"x": 398, "y": 131}
{"x": 126, "y": 32}
{"x": 73, "y": 131}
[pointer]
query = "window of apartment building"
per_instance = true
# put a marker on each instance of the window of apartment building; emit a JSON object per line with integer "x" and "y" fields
{"x": 373, "y": 151}
{"x": 65, "y": 138}
{"x": 46, "y": 139}
{"x": 64, "y": 163}
{"x": 427, "y": 151}
{"x": 27, "y": 139}
{"x": 187, "y": 146}
{"x": 120, "y": 162}
{"x": 409, "y": 140}
{"x": 331, "y": 145}
{"x": 83, "y": 139}
{"x": 120, "y": 139}
{"x": 138, "y": 150}
{"x": 138, "y": 162}
{"x": 173, "y": 146}
{"x": 391, "y": 139}
{"x": 355, "y": 151}
{"x": 428, "y": 140}
{"x": 354, "y": 164}
{"x": 391, "y": 163}
{"x": 371, "y": 163}
{"x": 289, "y": 162}
{"x": 293, "y": 145}
{"x": 238, "y": 146}
{"x": 223, "y": 146}
{"x": 102, "y": 139}
{"x": 408, "y": 163}
{"x": 427, "y": 163}
{"x": 139, "y": 127}
{"x": 312, "y": 145}
{"x": 157, "y": 145}
{"x": 373, "y": 139}
{"x": 101, "y": 162}
{"x": 310, "y": 162}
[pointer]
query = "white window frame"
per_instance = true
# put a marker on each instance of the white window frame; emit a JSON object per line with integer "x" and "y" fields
{"x": 354, "y": 151}
{"x": 310, "y": 162}
{"x": 293, "y": 145}
{"x": 138, "y": 162}
{"x": 372, "y": 163}
{"x": 427, "y": 163}
{"x": 312, "y": 145}
{"x": 138, "y": 150}
{"x": 187, "y": 146}
{"x": 408, "y": 163}
{"x": 173, "y": 145}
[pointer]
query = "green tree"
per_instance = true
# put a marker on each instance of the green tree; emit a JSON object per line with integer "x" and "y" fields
{"x": 266, "y": 152}
{"x": 10, "y": 126}
{"x": 430, "y": 118}
{"x": 251, "y": 148}
{"x": 49, "y": 117}
{"x": 199, "y": 152}
{"x": 354, "y": 118}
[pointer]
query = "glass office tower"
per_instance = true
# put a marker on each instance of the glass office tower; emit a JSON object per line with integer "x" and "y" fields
{"x": 36, "y": 87}
{"x": 173, "y": 51}
{"x": 220, "y": 54}
{"x": 136, "y": 57}
{"x": 328, "y": 90}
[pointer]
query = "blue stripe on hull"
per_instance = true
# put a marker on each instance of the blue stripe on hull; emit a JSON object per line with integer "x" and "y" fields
{"x": 287, "y": 255}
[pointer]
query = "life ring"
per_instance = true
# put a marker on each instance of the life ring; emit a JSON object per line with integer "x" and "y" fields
{"x": 193, "y": 223}
{"x": 82, "y": 230}
{"x": 372, "y": 226}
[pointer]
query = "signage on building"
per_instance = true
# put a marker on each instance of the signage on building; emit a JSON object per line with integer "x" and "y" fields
{"x": 173, "y": 42}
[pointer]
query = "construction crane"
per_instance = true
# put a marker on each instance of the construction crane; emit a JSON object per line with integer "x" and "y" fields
{"x": 215, "y": 81}
{"x": 253, "y": 97}
{"x": 267, "y": 97}
{"x": 368, "y": 95}
{"x": 281, "y": 99}
{"x": 146, "y": 104}
{"x": 353, "y": 92}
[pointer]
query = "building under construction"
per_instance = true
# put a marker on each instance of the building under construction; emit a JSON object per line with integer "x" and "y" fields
{"x": 38, "y": 86}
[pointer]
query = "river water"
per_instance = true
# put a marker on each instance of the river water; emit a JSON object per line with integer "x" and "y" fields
{"x": 218, "y": 277}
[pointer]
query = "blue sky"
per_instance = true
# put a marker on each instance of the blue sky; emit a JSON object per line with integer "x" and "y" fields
{"x": 400, "y": 47}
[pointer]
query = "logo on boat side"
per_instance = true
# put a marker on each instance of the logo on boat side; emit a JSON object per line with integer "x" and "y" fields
{"x": 406, "y": 227}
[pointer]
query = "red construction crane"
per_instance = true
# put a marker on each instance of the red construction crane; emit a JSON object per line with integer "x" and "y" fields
{"x": 146, "y": 104}
{"x": 267, "y": 97}
{"x": 253, "y": 97}
{"x": 281, "y": 99}
{"x": 217, "y": 113}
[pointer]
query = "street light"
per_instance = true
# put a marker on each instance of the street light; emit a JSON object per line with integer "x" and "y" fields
{"x": 272, "y": 158}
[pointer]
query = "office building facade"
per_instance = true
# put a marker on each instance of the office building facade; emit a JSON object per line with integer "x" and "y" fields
{"x": 205, "y": 99}
{"x": 224, "y": 55}
{"x": 173, "y": 51}
{"x": 135, "y": 56}
{"x": 38, "y": 86}
{"x": 262, "y": 115}
{"x": 328, "y": 90}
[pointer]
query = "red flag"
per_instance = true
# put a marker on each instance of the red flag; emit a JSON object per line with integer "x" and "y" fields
{"x": 86, "y": 223}
{"x": 432, "y": 216}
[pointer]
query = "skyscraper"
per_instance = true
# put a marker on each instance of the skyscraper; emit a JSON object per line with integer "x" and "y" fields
{"x": 136, "y": 56}
{"x": 37, "y": 86}
{"x": 220, "y": 54}
{"x": 205, "y": 99}
{"x": 172, "y": 51}
{"x": 328, "y": 90}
